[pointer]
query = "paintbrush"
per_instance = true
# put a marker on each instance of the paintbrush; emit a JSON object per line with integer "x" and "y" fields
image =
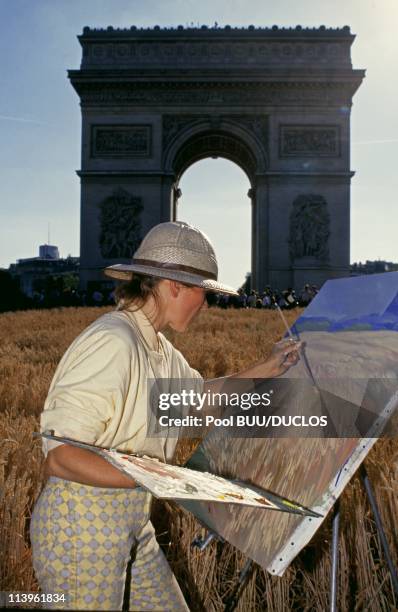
{"x": 300, "y": 348}
{"x": 306, "y": 363}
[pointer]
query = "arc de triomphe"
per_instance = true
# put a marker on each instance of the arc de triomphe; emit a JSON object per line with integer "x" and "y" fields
{"x": 274, "y": 101}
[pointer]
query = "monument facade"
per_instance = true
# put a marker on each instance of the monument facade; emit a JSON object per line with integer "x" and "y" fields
{"x": 275, "y": 101}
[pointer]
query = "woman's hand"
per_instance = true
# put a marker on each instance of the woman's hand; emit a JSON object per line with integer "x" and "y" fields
{"x": 284, "y": 355}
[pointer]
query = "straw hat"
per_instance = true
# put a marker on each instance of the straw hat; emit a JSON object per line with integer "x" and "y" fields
{"x": 177, "y": 251}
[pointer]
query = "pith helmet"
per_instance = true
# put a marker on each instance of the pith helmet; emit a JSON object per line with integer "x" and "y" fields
{"x": 177, "y": 251}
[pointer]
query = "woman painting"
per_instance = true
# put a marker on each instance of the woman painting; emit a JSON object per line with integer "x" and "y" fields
{"x": 89, "y": 516}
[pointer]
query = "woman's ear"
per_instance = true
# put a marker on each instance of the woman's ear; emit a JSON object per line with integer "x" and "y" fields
{"x": 174, "y": 288}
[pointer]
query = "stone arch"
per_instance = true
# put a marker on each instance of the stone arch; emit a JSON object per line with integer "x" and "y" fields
{"x": 215, "y": 138}
{"x": 275, "y": 101}
{"x": 227, "y": 140}
{"x": 214, "y": 144}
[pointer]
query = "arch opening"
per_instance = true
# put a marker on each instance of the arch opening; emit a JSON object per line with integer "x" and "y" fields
{"x": 213, "y": 197}
{"x": 214, "y": 144}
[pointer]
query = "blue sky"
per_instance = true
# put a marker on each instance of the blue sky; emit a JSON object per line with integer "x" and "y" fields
{"x": 40, "y": 122}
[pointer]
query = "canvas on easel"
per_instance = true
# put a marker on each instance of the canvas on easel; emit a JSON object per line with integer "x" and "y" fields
{"x": 350, "y": 333}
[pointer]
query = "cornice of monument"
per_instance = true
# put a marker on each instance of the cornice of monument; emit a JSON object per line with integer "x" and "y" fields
{"x": 250, "y": 74}
{"x": 217, "y": 48}
{"x": 116, "y": 174}
{"x": 205, "y": 31}
{"x": 319, "y": 174}
{"x": 322, "y": 91}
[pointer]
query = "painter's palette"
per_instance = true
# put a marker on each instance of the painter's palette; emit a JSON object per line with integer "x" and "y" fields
{"x": 180, "y": 483}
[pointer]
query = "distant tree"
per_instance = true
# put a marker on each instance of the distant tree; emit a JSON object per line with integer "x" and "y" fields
{"x": 70, "y": 282}
{"x": 11, "y": 297}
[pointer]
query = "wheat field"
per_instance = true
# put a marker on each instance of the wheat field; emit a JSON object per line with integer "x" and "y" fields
{"x": 219, "y": 342}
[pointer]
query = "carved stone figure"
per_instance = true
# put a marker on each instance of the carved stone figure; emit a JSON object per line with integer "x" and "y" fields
{"x": 309, "y": 228}
{"x": 120, "y": 218}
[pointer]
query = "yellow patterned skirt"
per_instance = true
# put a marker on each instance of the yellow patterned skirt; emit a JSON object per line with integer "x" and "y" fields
{"x": 82, "y": 540}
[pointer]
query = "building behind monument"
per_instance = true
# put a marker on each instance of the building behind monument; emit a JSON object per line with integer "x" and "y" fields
{"x": 46, "y": 279}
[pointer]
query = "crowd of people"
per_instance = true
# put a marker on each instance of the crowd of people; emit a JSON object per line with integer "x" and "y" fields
{"x": 73, "y": 297}
{"x": 269, "y": 298}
